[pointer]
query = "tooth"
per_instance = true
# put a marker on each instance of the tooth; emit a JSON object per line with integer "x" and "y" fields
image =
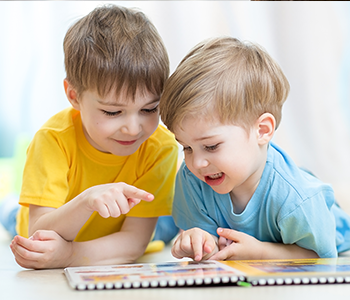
{"x": 215, "y": 176}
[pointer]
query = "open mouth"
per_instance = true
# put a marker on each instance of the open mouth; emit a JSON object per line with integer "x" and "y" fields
{"x": 215, "y": 179}
{"x": 216, "y": 176}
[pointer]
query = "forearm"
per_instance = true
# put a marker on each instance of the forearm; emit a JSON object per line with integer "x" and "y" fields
{"x": 118, "y": 248}
{"x": 66, "y": 220}
{"x": 284, "y": 251}
{"x": 121, "y": 247}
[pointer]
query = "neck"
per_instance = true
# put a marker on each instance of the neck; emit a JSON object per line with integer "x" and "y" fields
{"x": 241, "y": 195}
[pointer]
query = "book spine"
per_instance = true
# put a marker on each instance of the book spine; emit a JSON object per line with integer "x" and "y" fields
{"x": 207, "y": 281}
{"x": 300, "y": 281}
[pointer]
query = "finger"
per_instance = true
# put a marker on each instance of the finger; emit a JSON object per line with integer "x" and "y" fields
{"x": 24, "y": 243}
{"x": 114, "y": 209}
{"x": 22, "y": 262}
{"x": 133, "y": 192}
{"x": 25, "y": 258}
{"x": 221, "y": 255}
{"x": 222, "y": 243}
{"x": 132, "y": 202}
{"x": 44, "y": 235}
{"x": 102, "y": 209}
{"x": 175, "y": 249}
{"x": 229, "y": 234}
{"x": 209, "y": 246}
{"x": 197, "y": 246}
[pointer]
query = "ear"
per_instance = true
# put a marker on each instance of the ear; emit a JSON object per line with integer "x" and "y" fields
{"x": 71, "y": 94}
{"x": 265, "y": 128}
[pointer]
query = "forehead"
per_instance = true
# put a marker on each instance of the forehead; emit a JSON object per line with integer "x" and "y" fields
{"x": 198, "y": 127}
{"x": 195, "y": 129}
{"x": 141, "y": 97}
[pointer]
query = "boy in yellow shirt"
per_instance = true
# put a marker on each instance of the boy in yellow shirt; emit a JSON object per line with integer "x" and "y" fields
{"x": 98, "y": 174}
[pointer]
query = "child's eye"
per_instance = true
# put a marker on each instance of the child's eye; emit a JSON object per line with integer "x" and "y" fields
{"x": 111, "y": 113}
{"x": 187, "y": 149}
{"x": 211, "y": 148}
{"x": 150, "y": 111}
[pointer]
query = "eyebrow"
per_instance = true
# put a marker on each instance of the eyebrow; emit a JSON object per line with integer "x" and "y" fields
{"x": 199, "y": 139}
{"x": 123, "y": 104}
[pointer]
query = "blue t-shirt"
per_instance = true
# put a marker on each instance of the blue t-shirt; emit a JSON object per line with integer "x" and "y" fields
{"x": 289, "y": 206}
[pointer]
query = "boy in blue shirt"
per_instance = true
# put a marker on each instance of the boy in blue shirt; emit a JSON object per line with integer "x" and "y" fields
{"x": 238, "y": 195}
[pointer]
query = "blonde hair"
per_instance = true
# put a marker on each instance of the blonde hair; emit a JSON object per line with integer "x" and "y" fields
{"x": 115, "y": 47}
{"x": 237, "y": 81}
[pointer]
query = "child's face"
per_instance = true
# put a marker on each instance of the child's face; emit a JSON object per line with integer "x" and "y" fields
{"x": 118, "y": 125}
{"x": 223, "y": 156}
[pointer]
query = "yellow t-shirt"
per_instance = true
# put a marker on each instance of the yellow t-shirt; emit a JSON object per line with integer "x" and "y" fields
{"x": 61, "y": 164}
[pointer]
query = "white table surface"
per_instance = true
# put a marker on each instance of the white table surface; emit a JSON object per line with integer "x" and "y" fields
{"x": 19, "y": 283}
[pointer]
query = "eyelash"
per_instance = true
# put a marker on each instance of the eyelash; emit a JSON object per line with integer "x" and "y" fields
{"x": 150, "y": 111}
{"x": 111, "y": 113}
{"x": 211, "y": 148}
{"x": 207, "y": 148}
{"x": 145, "y": 111}
{"x": 186, "y": 149}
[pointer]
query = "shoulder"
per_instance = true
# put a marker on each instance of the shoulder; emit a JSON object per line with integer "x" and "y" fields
{"x": 161, "y": 142}
{"x": 292, "y": 186}
{"x": 63, "y": 119}
{"x": 162, "y": 137}
{"x": 60, "y": 129}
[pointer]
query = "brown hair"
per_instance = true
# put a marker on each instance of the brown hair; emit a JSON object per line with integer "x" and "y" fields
{"x": 115, "y": 47}
{"x": 237, "y": 81}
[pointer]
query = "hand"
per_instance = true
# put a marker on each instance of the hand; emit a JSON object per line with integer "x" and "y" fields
{"x": 114, "y": 199}
{"x": 44, "y": 249}
{"x": 235, "y": 245}
{"x": 194, "y": 243}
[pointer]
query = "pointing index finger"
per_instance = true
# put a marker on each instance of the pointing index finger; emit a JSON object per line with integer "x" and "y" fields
{"x": 135, "y": 193}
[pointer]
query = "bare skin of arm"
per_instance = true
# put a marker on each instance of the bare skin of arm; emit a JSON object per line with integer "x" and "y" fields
{"x": 199, "y": 245}
{"x": 47, "y": 249}
{"x": 109, "y": 200}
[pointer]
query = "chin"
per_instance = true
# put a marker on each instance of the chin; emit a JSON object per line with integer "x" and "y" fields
{"x": 221, "y": 190}
{"x": 126, "y": 151}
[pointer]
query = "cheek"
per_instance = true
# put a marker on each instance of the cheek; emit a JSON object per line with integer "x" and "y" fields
{"x": 188, "y": 162}
{"x": 151, "y": 124}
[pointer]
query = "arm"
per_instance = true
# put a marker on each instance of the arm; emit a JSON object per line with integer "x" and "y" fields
{"x": 109, "y": 200}
{"x": 48, "y": 250}
{"x": 235, "y": 245}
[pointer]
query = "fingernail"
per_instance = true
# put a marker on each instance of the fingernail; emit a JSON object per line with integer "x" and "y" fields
{"x": 220, "y": 230}
{"x": 30, "y": 238}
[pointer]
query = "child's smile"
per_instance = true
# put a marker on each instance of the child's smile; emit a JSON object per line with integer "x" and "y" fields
{"x": 215, "y": 179}
{"x": 118, "y": 125}
{"x": 224, "y": 156}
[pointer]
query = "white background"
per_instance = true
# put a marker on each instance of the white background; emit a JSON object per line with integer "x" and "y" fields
{"x": 310, "y": 40}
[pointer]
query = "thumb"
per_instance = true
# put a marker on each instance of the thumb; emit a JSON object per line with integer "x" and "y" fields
{"x": 221, "y": 255}
{"x": 132, "y": 202}
{"x": 228, "y": 234}
{"x": 43, "y": 235}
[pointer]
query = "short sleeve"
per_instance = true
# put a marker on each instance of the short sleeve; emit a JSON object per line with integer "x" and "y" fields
{"x": 311, "y": 226}
{"x": 45, "y": 173}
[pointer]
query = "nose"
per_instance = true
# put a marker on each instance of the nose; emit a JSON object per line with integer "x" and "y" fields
{"x": 199, "y": 161}
{"x": 132, "y": 126}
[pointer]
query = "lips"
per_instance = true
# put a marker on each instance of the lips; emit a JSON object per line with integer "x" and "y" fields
{"x": 126, "y": 143}
{"x": 215, "y": 179}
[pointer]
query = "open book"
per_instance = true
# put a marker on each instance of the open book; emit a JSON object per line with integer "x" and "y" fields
{"x": 209, "y": 273}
